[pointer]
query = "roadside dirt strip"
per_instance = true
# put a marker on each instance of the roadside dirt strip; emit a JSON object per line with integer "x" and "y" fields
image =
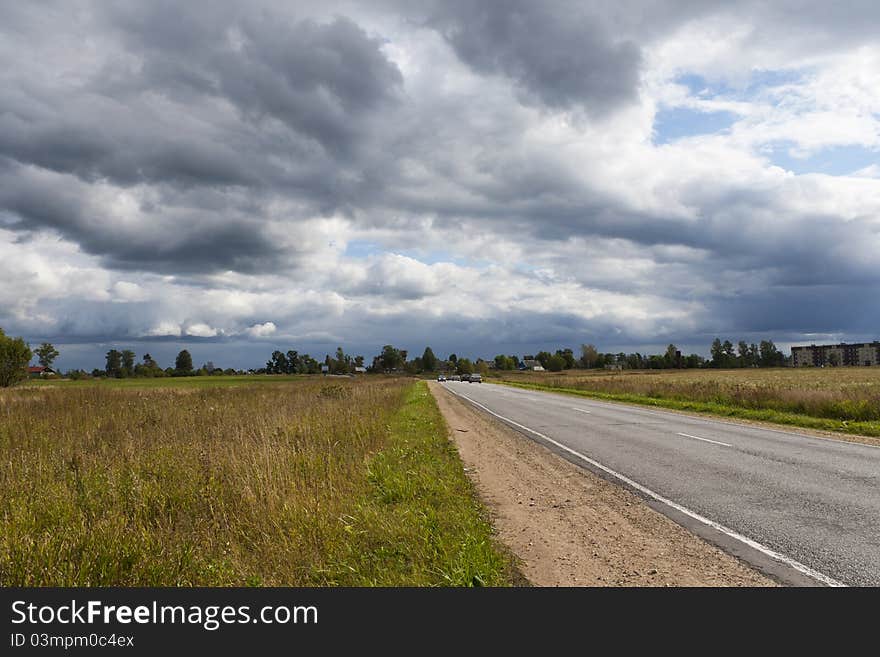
{"x": 571, "y": 528}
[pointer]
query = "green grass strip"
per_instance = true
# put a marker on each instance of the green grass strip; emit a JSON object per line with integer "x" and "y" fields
{"x": 712, "y": 408}
{"x": 420, "y": 523}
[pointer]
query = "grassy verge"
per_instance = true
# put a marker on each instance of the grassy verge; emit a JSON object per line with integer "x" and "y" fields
{"x": 310, "y": 482}
{"x": 855, "y": 428}
{"x": 419, "y": 522}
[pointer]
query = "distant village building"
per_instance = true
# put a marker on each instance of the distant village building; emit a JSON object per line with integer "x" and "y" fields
{"x": 533, "y": 365}
{"x": 37, "y": 371}
{"x": 864, "y": 354}
{"x": 360, "y": 370}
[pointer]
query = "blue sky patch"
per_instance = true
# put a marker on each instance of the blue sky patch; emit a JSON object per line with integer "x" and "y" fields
{"x": 678, "y": 122}
{"x": 365, "y": 249}
{"x": 362, "y": 249}
{"x": 699, "y": 86}
{"x": 834, "y": 161}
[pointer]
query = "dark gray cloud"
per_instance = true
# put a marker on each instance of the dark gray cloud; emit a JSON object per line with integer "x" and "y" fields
{"x": 186, "y": 235}
{"x": 320, "y": 80}
{"x": 215, "y": 113}
{"x": 559, "y": 56}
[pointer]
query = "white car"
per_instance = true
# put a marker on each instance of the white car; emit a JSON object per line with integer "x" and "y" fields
{"x": 441, "y": 378}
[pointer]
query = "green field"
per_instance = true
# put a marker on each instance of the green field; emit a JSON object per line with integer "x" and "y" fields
{"x": 294, "y": 483}
{"x": 842, "y": 399}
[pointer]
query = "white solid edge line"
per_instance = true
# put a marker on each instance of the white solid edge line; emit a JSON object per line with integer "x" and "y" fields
{"x": 806, "y": 570}
{"x": 705, "y": 440}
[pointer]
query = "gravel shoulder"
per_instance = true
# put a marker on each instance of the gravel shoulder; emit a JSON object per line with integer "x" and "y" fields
{"x": 569, "y": 527}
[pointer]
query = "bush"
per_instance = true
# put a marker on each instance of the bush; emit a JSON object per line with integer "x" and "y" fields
{"x": 14, "y": 358}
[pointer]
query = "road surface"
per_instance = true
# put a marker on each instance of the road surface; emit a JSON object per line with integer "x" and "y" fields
{"x": 804, "y": 509}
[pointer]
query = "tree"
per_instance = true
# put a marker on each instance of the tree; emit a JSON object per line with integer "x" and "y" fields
{"x": 589, "y": 355}
{"x": 278, "y": 363}
{"x": 672, "y": 357}
{"x": 429, "y": 360}
{"x": 567, "y": 356}
{"x": 453, "y": 359}
{"x": 744, "y": 355}
{"x": 555, "y": 363}
{"x": 503, "y": 362}
{"x": 464, "y": 366}
{"x": 340, "y": 363}
{"x": 128, "y": 357}
{"x": 754, "y": 355}
{"x": 770, "y": 355}
{"x": 15, "y": 354}
{"x": 183, "y": 364}
{"x": 717, "y": 352}
{"x": 46, "y": 353}
{"x": 543, "y": 357}
{"x": 391, "y": 358}
{"x": 113, "y": 366}
{"x": 149, "y": 368}
{"x": 308, "y": 365}
{"x": 293, "y": 362}
{"x": 729, "y": 354}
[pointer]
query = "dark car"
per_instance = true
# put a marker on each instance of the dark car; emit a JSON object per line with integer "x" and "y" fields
{"x": 465, "y": 377}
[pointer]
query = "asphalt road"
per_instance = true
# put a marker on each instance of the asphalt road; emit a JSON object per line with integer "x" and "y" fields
{"x": 801, "y": 508}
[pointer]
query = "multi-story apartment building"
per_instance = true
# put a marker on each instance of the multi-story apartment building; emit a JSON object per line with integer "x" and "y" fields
{"x": 864, "y": 354}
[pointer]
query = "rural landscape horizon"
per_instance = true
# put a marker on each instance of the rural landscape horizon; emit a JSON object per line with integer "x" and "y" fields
{"x": 300, "y": 295}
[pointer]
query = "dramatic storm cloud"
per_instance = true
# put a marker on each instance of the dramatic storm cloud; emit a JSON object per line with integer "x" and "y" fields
{"x": 480, "y": 177}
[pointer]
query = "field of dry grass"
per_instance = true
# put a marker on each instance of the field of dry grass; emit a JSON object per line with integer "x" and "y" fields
{"x": 836, "y": 399}
{"x": 310, "y": 482}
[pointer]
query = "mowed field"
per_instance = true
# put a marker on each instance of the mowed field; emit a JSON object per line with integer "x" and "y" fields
{"x": 842, "y": 399}
{"x": 305, "y": 482}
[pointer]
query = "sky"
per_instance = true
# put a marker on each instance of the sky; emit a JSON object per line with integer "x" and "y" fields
{"x": 496, "y": 177}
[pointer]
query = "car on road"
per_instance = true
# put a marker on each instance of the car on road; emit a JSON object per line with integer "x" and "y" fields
{"x": 465, "y": 377}
{"x": 455, "y": 377}
{"x": 441, "y": 378}
{"x": 476, "y": 378}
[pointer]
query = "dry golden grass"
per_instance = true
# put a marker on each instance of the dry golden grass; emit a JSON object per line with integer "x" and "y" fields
{"x": 270, "y": 484}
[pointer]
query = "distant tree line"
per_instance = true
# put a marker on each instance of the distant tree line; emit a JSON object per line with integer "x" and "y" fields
{"x": 15, "y": 354}
{"x": 764, "y": 354}
{"x": 723, "y": 355}
{"x": 121, "y": 365}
